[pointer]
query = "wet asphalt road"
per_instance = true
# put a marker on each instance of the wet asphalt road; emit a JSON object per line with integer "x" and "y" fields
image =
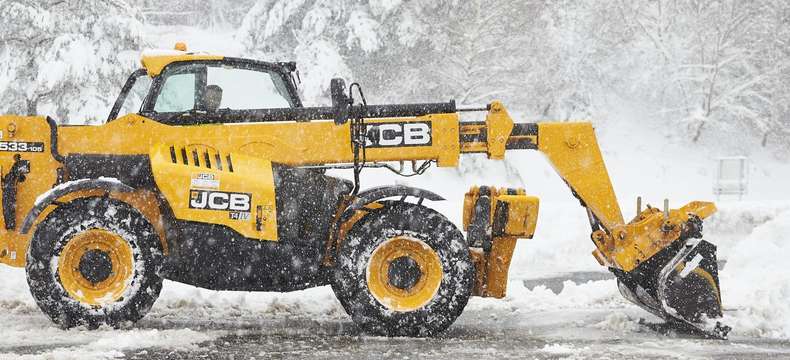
{"x": 476, "y": 335}
{"x": 500, "y": 332}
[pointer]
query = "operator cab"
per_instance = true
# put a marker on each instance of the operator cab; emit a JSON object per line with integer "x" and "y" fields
{"x": 179, "y": 88}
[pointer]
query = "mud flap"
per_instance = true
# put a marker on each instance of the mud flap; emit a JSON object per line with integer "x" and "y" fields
{"x": 680, "y": 284}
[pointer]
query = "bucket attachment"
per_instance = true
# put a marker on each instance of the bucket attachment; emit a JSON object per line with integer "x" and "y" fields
{"x": 680, "y": 284}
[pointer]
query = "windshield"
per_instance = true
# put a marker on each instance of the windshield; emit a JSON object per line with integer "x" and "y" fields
{"x": 211, "y": 88}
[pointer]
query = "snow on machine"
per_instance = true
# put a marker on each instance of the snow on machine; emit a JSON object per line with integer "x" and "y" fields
{"x": 218, "y": 181}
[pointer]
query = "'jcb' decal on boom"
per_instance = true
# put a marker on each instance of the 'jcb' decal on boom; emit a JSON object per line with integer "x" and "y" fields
{"x": 219, "y": 200}
{"x": 398, "y": 134}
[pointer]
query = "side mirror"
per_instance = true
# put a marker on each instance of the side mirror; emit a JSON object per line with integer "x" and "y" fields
{"x": 340, "y": 102}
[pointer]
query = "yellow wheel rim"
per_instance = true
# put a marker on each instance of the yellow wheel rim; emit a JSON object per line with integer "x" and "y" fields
{"x": 114, "y": 251}
{"x": 417, "y": 293}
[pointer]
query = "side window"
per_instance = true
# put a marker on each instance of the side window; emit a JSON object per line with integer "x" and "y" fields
{"x": 243, "y": 89}
{"x": 134, "y": 100}
{"x": 177, "y": 94}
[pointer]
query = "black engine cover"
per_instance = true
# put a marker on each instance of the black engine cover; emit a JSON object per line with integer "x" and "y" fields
{"x": 218, "y": 258}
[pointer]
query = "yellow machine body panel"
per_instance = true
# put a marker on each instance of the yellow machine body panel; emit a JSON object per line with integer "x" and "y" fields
{"x": 499, "y": 126}
{"x": 204, "y": 185}
{"x": 650, "y": 232}
{"x": 29, "y": 138}
{"x": 522, "y": 215}
{"x": 511, "y": 215}
{"x": 290, "y": 143}
{"x": 573, "y": 151}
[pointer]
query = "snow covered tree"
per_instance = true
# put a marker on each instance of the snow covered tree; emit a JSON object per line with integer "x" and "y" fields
{"x": 477, "y": 49}
{"x": 322, "y": 36}
{"x": 698, "y": 66}
{"x": 709, "y": 64}
{"x": 695, "y": 65}
{"x": 399, "y": 51}
{"x": 212, "y": 14}
{"x": 772, "y": 55}
{"x": 66, "y": 57}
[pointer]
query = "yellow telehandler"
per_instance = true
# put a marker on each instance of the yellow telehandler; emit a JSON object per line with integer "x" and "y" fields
{"x": 209, "y": 171}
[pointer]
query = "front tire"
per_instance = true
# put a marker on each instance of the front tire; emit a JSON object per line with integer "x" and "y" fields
{"x": 404, "y": 270}
{"x": 94, "y": 261}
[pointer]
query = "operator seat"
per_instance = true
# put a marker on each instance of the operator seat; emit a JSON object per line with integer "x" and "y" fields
{"x": 212, "y": 97}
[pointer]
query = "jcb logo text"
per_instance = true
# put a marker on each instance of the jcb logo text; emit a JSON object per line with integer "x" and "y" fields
{"x": 219, "y": 200}
{"x": 398, "y": 134}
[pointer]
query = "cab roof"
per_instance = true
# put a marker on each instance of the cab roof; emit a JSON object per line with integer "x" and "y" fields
{"x": 155, "y": 60}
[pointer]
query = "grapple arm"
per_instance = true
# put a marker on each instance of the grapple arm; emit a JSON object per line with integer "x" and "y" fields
{"x": 656, "y": 256}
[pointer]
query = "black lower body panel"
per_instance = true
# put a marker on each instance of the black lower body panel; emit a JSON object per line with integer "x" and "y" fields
{"x": 216, "y": 257}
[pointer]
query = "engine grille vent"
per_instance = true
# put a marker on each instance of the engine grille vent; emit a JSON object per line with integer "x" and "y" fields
{"x": 201, "y": 156}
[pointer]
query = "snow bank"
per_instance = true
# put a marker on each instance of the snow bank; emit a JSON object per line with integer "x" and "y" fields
{"x": 590, "y": 295}
{"x": 735, "y": 222}
{"x": 180, "y": 300}
{"x": 756, "y": 281}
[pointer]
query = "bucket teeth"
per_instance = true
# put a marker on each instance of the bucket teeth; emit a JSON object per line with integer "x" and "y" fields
{"x": 680, "y": 284}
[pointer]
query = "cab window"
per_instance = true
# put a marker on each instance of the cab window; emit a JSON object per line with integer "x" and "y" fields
{"x": 134, "y": 99}
{"x": 211, "y": 90}
{"x": 245, "y": 89}
{"x": 177, "y": 94}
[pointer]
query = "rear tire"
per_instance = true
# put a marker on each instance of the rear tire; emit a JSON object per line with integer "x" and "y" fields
{"x": 403, "y": 270}
{"x": 94, "y": 261}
